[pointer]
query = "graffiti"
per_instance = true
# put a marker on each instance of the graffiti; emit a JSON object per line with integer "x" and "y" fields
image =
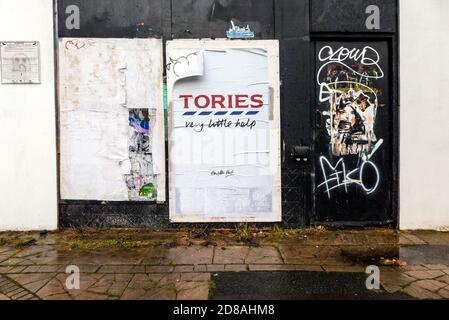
{"x": 367, "y": 56}
{"x": 79, "y": 44}
{"x": 182, "y": 62}
{"x": 346, "y": 81}
{"x": 347, "y": 86}
{"x": 339, "y": 176}
{"x": 141, "y": 180}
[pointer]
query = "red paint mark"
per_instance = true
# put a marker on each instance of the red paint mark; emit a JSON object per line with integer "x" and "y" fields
{"x": 79, "y": 44}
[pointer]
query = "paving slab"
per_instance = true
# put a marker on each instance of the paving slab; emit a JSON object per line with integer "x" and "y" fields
{"x": 295, "y": 285}
{"x": 185, "y": 268}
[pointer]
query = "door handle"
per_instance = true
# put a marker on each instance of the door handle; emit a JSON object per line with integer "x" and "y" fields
{"x": 301, "y": 153}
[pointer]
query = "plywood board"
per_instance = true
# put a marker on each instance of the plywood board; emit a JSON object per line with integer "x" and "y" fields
{"x": 224, "y": 131}
{"x": 111, "y": 119}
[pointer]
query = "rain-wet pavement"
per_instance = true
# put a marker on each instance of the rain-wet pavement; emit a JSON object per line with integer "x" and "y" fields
{"x": 297, "y": 285}
{"x": 203, "y": 264}
{"x": 425, "y": 254}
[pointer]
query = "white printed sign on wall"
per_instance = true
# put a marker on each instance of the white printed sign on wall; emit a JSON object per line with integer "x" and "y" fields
{"x": 20, "y": 62}
{"x": 224, "y": 130}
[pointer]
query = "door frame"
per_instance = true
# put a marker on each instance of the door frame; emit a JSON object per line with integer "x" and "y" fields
{"x": 393, "y": 78}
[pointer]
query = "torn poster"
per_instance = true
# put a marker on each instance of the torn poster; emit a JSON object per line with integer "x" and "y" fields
{"x": 224, "y": 131}
{"x": 347, "y": 78}
{"x": 111, "y": 120}
{"x": 141, "y": 181}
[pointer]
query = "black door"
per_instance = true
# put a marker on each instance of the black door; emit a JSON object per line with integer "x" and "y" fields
{"x": 353, "y": 134}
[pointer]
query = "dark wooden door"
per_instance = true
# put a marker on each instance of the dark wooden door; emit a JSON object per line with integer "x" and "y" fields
{"x": 353, "y": 134}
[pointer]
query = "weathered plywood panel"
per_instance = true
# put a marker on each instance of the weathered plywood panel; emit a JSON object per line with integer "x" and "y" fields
{"x": 224, "y": 131}
{"x": 114, "y": 18}
{"x": 111, "y": 119}
{"x": 211, "y": 18}
{"x": 353, "y": 16}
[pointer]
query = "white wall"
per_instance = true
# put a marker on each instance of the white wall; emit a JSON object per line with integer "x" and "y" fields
{"x": 424, "y": 151}
{"x": 28, "y": 189}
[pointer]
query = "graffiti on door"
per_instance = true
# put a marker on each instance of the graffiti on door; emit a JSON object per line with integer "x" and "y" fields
{"x": 347, "y": 85}
{"x": 340, "y": 176}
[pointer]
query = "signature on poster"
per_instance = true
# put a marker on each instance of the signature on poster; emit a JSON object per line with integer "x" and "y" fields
{"x": 219, "y": 173}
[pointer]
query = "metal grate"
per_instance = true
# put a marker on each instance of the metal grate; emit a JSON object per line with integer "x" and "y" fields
{"x": 15, "y": 291}
{"x": 294, "y": 197}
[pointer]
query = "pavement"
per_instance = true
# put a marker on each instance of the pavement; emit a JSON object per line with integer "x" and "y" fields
{"x": 201, "y": 264}
{"x": 297, "y": 285}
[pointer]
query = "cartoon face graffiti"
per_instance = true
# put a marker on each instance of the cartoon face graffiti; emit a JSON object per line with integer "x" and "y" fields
{"x": 352, "y": 130}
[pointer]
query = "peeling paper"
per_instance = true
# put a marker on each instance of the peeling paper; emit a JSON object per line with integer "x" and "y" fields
{"x": 224, "y": 160}
{"x": 188, "y": 65}
{"x": 101, "y": 83}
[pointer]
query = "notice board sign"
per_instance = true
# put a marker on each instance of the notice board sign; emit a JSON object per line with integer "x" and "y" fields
{"x": 20, "y": 62}
{"x": 224, "y": 130}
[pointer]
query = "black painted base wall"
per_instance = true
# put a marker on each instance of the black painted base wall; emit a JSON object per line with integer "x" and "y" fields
{"x": 76, "y": 214}
{"x": 295, "y": 23}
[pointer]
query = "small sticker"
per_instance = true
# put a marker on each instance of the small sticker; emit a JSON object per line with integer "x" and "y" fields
{"x": 236, "y": 32}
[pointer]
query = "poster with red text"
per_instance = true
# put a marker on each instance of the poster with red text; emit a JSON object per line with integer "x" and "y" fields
{"x": 224, "y": 136}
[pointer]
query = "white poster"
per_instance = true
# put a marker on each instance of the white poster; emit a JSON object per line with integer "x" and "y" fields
{"x": 111, "y": 119}
{"x": 224, "y": 131}
{"x": 20, "y": 62}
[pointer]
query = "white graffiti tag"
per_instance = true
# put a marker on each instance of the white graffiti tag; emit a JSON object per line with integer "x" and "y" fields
{"x": 347, "y": 57}
{"x": 339, "y": 175}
